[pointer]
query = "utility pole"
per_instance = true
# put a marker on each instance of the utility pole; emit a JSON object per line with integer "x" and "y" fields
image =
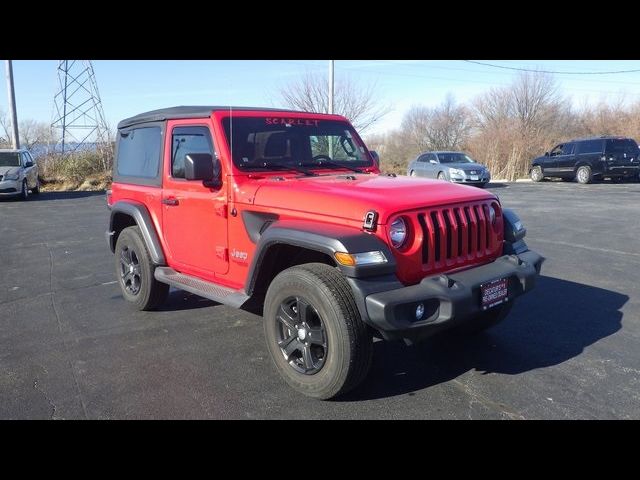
{"x": 331, "y": 86}
{"x": 12, "y": 105}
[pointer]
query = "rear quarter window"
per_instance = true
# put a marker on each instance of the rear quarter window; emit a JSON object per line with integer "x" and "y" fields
{"x": 589, "y": 146}
{"x": 139, "y": 152}
{"x": 619, "y": 146}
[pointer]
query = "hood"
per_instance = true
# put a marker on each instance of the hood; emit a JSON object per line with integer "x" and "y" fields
{"x": 351, "y": 196}
{"x": 464, "y": 166}
{"x": 6, "y": 170}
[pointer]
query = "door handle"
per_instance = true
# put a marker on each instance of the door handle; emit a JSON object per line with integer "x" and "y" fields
{"x": 172, "y": 201}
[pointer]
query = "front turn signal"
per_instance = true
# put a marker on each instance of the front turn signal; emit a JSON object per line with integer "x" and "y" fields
{"x": 360, "y": 259}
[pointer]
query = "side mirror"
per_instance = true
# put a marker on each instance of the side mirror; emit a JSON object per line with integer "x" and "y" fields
{"x": 546, "y": 154}
{"x": 203, "y": 166}
{"x": 376, "y": 158}
{"x": 28, "y": 164}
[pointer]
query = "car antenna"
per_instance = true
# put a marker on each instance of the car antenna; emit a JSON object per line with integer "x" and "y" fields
{"x": 231, "y": 131}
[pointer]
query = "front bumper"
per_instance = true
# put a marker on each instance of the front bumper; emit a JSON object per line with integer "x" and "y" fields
{"x": 479, "y": 179}
{"x": 10, "y": 187}
{"x": 449, "y": 299}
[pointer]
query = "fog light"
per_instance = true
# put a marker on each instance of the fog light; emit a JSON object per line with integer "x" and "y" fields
{"x": 419, "y": 311}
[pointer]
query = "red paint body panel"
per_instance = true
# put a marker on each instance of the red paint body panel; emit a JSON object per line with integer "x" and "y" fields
{"x": 201, "y": 235}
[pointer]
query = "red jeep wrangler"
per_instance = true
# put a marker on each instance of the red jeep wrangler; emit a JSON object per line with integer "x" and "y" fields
{"x": 288, "y": 211}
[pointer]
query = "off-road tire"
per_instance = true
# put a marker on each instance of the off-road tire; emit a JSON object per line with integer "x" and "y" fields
{"x": 151, "y": 293}
{"x": 349, "y": 341}
{"x": 484, "y": 320}
{"x": 584, "y": 174}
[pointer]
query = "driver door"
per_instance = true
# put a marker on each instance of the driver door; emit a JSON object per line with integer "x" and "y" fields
{"x": 551, "y": 162}
{"x": 194, "y": 216}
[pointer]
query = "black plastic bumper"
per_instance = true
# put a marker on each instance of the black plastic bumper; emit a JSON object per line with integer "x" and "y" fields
{"x": 389, "y": 307}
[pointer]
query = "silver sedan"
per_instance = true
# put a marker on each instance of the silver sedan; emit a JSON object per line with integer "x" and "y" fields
{"x": 18, "y": 174}
{"x": 456, "y": 167}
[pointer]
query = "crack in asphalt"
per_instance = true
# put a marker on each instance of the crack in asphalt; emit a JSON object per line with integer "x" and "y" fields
{"x": 586, "y": 247}
{"x": 51, "y": 404}
{"x": 64, "y": 342}
{"x": 52, "y": 292}
{"x": 512, "y": 414}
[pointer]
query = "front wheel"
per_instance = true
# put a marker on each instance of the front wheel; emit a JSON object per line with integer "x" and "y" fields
{"x": 441, "y": 176}
{"x": 314, "y": 332}
{"x": 536, "y": 174}
{"x": 24, "y": 193}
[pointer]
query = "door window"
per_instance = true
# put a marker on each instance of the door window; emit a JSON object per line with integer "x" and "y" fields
{"x": 186, "y": 140}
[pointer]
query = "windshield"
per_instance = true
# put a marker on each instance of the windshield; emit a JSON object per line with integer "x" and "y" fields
{"x": 260, "y": 142}
{"x": 454, "y": 158}
{"x": 9, "y": 159}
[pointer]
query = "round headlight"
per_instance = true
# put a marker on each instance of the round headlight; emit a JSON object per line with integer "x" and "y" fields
{"x": 492, "y": 214}
{"x": 398, "y": 232}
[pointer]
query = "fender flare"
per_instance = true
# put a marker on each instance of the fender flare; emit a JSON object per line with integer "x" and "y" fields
{"x": 323, "y": 238}
{"x": 140, "y": 214}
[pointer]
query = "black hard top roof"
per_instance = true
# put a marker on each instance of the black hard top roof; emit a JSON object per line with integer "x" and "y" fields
{"x": 187, "y": 111}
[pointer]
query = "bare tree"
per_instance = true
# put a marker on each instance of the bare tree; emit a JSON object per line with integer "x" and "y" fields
{"x": 359, "y": 103}
{"x": 446, "y": 126}
{"x": 5, "y": 129}
{"x": 513, "y": 124}
{"x": 36, "y": 134}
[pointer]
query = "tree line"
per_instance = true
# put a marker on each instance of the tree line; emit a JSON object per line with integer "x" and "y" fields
{"x": 505, "y": 127}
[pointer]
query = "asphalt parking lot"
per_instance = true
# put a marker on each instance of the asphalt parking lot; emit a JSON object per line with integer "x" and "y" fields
{"x": 71, "y": 348}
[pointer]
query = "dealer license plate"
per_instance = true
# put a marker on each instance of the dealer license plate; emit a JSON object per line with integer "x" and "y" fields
{"x": 474, "y": 177}
{"x": 494, "y": 293}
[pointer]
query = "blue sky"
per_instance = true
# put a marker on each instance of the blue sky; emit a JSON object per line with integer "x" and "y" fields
{"x": 128, "y": 87}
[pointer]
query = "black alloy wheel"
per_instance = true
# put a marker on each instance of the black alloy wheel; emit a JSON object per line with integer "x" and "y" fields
{"x": 301, "y": 335}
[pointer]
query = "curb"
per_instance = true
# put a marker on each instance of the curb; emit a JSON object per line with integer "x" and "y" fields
{"x": 502, "y": 180}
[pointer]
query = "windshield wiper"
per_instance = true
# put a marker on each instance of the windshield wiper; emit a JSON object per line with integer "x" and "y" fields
{"x": 330, "y": 164}
{"x": 282, "y": 166}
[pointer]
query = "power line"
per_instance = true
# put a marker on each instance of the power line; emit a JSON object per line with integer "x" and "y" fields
{"x": 549, "y": 71}
{"x": 462, "y": 80}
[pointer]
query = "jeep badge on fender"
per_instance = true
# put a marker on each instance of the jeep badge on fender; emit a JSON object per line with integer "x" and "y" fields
{"x": 332, "y": 250}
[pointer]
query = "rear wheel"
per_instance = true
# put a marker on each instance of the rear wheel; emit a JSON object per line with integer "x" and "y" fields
{"x": 413, "y": 173}
{"x": 536, "y": 174}
{"x": 314, "y": 332}
{"x": 484, "y": 320}
{"x": 134, "y": 270}
{"x": 36, "y": 190}
{"x": 584, "y": 175}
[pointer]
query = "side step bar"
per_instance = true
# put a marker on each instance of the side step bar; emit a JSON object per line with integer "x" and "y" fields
{"x": 212, "y": 291}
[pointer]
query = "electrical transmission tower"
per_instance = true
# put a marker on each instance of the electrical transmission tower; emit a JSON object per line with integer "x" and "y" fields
{"x": 78, "y": 113}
